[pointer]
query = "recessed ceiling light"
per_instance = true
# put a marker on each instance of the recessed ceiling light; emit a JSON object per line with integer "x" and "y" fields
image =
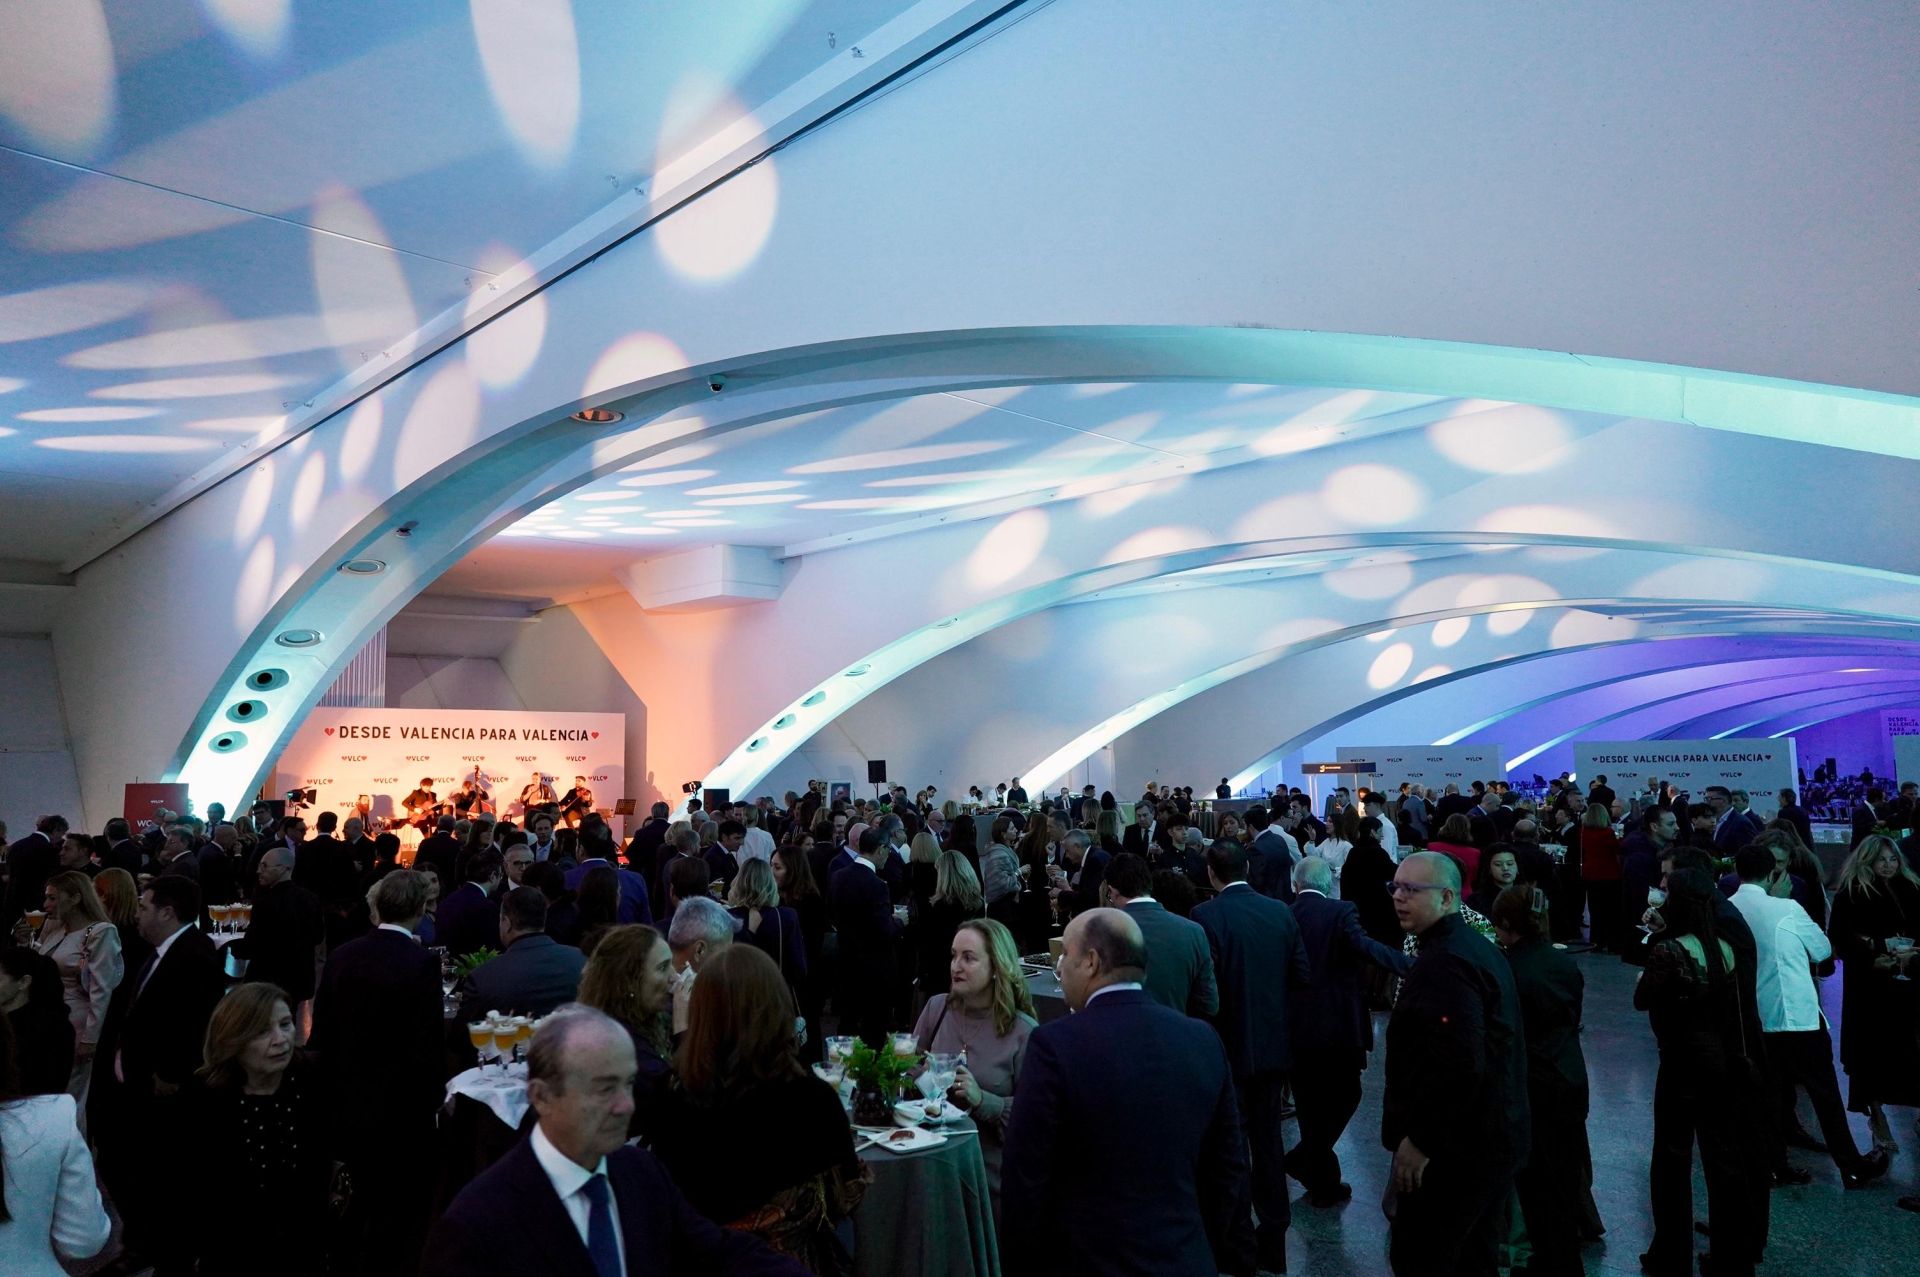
{"x": 299, "y": 638}
{"x": 598, "y": 416}
{"x": 364, "y": 567}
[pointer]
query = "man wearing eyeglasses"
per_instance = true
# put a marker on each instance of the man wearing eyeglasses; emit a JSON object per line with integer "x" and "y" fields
{"x": 1455, "y": 1114}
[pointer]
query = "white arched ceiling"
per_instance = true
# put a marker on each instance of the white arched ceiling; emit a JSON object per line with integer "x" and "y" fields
{"x": 996, "y": 204}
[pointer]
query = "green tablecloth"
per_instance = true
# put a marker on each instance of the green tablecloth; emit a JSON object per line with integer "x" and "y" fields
{"x": 927, "y": 1213}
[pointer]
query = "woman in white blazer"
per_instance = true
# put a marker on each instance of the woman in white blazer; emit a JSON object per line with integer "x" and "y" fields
{"x": 52, "y": 1203}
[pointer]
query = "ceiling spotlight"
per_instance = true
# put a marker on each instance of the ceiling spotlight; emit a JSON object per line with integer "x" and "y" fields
{"x": 598, "y": 416}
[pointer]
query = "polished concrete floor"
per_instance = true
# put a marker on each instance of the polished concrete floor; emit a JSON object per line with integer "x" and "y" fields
{"x": 1818, "y": 1229}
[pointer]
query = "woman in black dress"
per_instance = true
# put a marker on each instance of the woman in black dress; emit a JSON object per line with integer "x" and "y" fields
{"x": 1706, "y": 1088}
{"x": 1553, "y": 1191}
{"x": 1878, "y": 898}
{"x": 259, "y": 1129}
{"x": 793, "y": 875}
{"x": 753, "y": 1140}
{"x": 955, "y": 899}
{"x": 1363, "y": 879}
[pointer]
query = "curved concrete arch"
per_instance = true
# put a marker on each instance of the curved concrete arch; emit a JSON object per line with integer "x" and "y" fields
{"x": 874, "y": 237}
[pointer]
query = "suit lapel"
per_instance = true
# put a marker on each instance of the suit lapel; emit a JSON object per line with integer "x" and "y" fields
{"x": 567, "y": 1253}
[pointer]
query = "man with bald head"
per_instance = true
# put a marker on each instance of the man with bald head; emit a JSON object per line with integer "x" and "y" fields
{"x": 1125, "y": 1153}
{"x": 286, "y": 929}
{"x": 1455, "y": 1114}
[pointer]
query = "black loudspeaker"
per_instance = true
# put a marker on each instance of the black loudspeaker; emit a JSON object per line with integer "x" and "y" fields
{"x": 876, "y": 771}
{"x": 715, "y": 799}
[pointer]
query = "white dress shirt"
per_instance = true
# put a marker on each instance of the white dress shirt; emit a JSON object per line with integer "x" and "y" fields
{"x": 1113, "y": 988}
{"x": 569, "y": 1180}
{"x": 1787, "y": 942}
{"x": 757, "y": 845}
{"x": 1389, "y": 836}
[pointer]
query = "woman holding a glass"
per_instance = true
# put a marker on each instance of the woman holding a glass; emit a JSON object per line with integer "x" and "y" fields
{"x": 984, "y": 1021}
{"x": 86, "y": 949}
{"x": 1876, "y": 910}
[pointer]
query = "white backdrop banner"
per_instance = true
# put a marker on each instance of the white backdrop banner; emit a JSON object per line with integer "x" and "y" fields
{"x": 344, "y": 753}
{"x": 1906, "y": 758}
{"x": 1435, "y": 765}
{"x": 1761, "y": 767}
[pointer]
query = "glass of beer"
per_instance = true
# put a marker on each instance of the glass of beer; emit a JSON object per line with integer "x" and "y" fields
{"x": 245, "y": 913}
{"x": 36, "y": 918}
{"x": 523, "y": 1035}
{"x": 480, "y": 1033}
{"x": 222, "y": 916}
{"x": 505, "y": 1033}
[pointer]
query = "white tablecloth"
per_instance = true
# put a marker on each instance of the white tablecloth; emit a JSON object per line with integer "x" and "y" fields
{"x": 504, "y": 1093}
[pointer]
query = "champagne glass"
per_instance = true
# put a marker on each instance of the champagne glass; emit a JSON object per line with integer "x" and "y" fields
{"x": 522, "y": 1036}
{"x": 1900, "y": 947}
{"x": 246, "y": 914}
{"x": 903, "y": 1044}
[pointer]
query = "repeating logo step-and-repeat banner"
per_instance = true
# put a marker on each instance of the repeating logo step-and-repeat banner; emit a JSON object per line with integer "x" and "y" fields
{"x": 383, "y": 753}
{"x": 1761, "y": 767}
{"x": 1435, "y": 765}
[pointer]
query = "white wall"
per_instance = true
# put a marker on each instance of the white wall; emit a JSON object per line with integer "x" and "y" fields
{"x": 451, "y": 682}
{"x": 37, "y": 776}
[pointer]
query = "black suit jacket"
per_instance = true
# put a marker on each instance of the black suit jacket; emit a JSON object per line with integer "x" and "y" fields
{"x": 1329, "y": 1016}
{"x": 1134, "y": 839}
{"x": 442, "y": 851}
{"x": 377, "y": 1029}
{"x": 643, "y": 849}
{"x": 535, "y": 975}
{"x": 1125, "y": 1054}
{"x": 281, "y": 938}
{"x": 468, "y": 919}
{"x": 159, "y": 1032}
{"x": 862, "y": 912}
{"x": 1270, "y": 866}
{"x": 324, "y": 866}
{"x": 1257, "y": 958}
{"x": 1456, "y": 1056}
{"x": 509, "y": 1222}
{"x": 30, "y": 862}
{"x": 1551, "y": 991}
{"x": 125, "y": 854}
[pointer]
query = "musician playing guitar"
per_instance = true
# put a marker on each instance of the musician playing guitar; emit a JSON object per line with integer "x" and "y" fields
{"x": 577, "y": 803}
{"x": 420, "y": 805}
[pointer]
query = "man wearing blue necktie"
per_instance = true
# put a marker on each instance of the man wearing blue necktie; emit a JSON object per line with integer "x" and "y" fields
{"x": 573, "y": 1198}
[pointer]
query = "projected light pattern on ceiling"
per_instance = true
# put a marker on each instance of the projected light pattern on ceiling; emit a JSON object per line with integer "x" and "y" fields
{"x": 218, "y": 215}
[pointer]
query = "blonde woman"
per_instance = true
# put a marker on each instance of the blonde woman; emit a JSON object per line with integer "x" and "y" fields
{"x": 956, "y": 898}
{"x": 85, "y": 946}
{"x": 765, "y": 923}
{"x": 1878, "y": 899}
{"x": 986, "y": 1015}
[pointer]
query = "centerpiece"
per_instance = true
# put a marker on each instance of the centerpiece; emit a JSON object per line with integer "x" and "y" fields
{"x": 878, "y": 1077}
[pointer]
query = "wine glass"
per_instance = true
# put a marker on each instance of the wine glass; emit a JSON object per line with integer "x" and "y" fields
{"x": 839, "y": 1048}
{"x": 942, "y": 1068}
{"x": 1900, "y": 947}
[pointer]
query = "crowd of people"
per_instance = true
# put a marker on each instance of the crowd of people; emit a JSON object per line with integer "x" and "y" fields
{"x": 1220, "y": 987}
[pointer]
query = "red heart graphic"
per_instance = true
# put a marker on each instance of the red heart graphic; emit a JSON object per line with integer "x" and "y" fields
{"x": 327, "y": 730}
{"x": 596, "y": 735}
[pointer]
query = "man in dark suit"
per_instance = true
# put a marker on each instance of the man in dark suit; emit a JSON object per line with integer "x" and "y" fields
{"x": 1179, "y": 961}
{"x": 1270, "y": 856}
{"x": 284, "y": 935}
{"x": 533, "y": 974}
{"x": 324, "y": 866}
{"x": 643, "y": 849}
{"x": 150, "y": 1045}
{"x": 441, "y": 850}
{"x": 1257, "y": 958}
{"x": 1866, "y": 815}
{"x": 1732, "y": 829}
{"x": 30, "y": 862}
{"x": 1138, "y": 837}
{"x": 573, "y": 1199}
{"x": 862, "y": 912}
{"x": 1086, "y": 866}
{"x": 123, "y": 849}
{"x": 682, "y": 844}
{"x": 636, "y": 904}
{"x": 1125, "y": 1083}
{"x": 1455, "y": 1112}
{"x": 1331, "y": 1028}
{"x": 1794, "y": 814}
{"x": 469, "y": 915}
{"x": 377, "y": 1031}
